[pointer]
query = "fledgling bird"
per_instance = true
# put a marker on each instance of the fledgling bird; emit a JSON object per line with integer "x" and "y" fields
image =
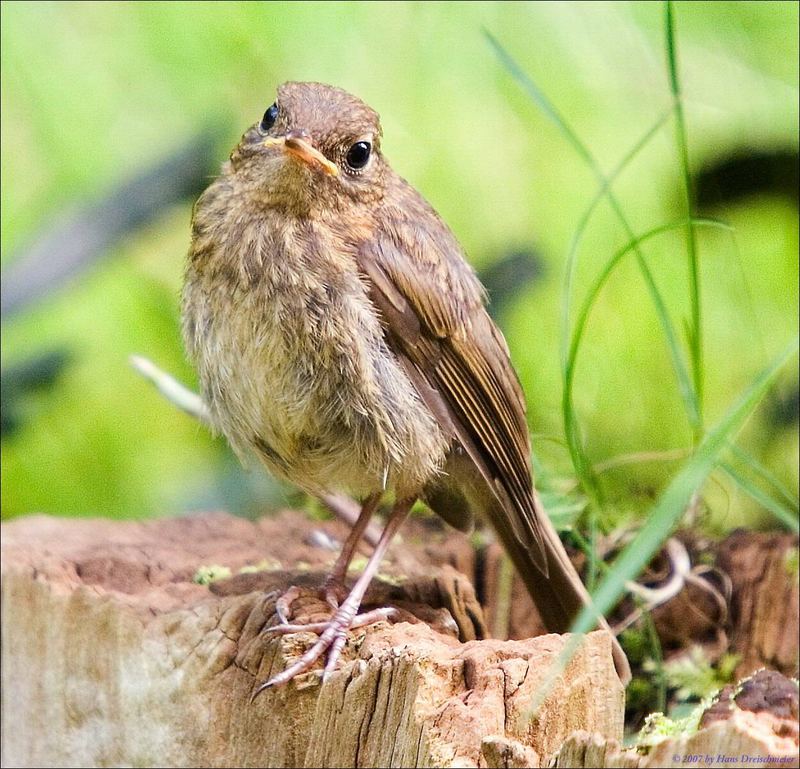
{"x": 340, "y": 335}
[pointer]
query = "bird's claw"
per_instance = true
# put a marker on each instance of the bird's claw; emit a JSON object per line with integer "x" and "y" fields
{"x": 333, "y": 591}
{"x": 283, "y": 605}
{"x": 332, "y": 637}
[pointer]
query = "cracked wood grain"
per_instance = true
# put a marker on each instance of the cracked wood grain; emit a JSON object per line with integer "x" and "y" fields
{"x": 746, "y": 739}
{"x": 113, "y": 656}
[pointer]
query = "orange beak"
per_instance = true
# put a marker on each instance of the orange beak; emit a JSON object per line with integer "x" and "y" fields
{"x": 297, "y": 144}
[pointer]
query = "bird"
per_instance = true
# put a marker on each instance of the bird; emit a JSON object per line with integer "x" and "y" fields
{"x": 341, "y": 336}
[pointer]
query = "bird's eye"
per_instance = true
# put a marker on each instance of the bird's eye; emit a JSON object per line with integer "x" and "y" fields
{"x": 269, "y": 118}
{"x": 358, "y": 155}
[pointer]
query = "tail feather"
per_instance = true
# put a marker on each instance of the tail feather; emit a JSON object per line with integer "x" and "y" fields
{"x": 559, "y": 595}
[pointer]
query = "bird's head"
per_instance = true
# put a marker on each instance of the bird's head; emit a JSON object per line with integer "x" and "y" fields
{"x": 314, "y": 143}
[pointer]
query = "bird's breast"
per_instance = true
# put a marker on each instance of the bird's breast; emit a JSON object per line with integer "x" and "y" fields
{"x": 294, "y": 364}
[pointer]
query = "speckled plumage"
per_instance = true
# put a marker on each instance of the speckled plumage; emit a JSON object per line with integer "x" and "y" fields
{"x": 293, "y": 359}
{"x": 341, "y": 336}
{"x": 292, "y": 356}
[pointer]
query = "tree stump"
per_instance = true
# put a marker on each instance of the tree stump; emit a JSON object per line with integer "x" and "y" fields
{"x": 763, "y": 569}
{"x": 752, "y": 724}
{"x": 113, "y": 655}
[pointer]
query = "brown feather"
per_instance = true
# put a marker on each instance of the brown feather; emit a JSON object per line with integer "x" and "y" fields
{"x": 432, "y": 304}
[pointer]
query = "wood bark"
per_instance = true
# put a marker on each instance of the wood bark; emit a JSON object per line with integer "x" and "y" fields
{"x": 746, "y": 740}
{"x": 754, "y": 723}
{"x": 765, "y": 598}
{"x": 112, "y": 655}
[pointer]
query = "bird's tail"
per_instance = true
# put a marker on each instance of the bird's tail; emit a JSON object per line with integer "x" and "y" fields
{"x": 559, "y": 595}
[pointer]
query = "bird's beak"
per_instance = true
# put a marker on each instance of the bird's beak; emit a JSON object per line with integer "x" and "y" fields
{"x": 297, "y": 144}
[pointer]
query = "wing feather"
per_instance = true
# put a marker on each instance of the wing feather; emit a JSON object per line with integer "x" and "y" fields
{"x": 432, "y": 306}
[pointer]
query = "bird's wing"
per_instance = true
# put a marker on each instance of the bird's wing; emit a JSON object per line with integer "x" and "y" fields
{"x": 432, "y": 306}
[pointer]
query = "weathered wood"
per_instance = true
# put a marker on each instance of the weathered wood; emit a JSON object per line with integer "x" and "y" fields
{"x": 112, "y": 656}
{"x": 743, "y": 741}
{"x": 752, "y": 724}
{"x": 763, "y": 569}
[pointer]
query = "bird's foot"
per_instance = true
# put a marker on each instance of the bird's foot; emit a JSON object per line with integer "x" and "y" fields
{"x": 332, "y": 636}
{"x": 333, "y": 592}
{"x": 333, "y": 633}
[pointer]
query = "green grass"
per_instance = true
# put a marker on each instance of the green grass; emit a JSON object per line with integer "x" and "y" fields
{"x": 707, "y": 454}
{"x": 581, "y": 461}
{"x": 661, "y": 520}
{"x": 663, "y": 517}
{"x": 691, "y": 387}
{"x": 694, "y": 327}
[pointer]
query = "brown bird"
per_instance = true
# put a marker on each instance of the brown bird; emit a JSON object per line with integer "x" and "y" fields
{"x": 341, "y": 336}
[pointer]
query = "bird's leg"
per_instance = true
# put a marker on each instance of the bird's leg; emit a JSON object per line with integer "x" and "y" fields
{"x": 333, "y": 586}
{"x": 335, "y": 630}
{"x": 347, "y": 511}
{"x": 334, "y": 583}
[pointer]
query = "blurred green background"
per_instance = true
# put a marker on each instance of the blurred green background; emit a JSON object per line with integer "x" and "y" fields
{"x": 94, "y": 94}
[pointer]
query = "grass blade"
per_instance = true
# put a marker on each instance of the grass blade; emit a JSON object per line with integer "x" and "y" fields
{"x": 661, "y": 520}
{"x": 765, "y": 475}
{"x": 695, "y": 328}
{"x": 787, "y": 517}
{"x": 541, "y": 101}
